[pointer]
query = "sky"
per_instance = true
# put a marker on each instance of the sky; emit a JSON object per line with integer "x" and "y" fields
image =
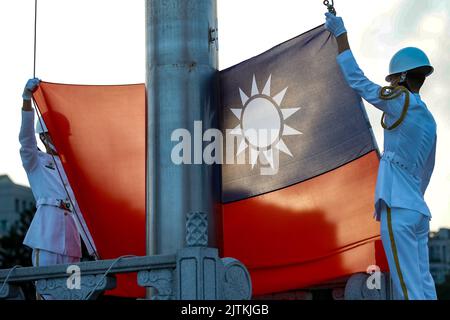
{"x": 102, "y": 42}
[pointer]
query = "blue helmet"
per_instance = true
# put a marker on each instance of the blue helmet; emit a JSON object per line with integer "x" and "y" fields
{"x": 408, "y": 59}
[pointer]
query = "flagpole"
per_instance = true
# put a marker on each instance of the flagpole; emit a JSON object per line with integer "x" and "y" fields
{"x": 181, "y": 84}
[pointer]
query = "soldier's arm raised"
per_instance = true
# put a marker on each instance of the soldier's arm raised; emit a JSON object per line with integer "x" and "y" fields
{"x": 27, "y": 138}
{"x": 353, "y": 75}
{"x": 26, "y": 106}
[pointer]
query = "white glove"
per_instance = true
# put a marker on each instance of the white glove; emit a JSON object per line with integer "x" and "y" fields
{"x": 30, "y": 87}
{"x": 334, "y": 24}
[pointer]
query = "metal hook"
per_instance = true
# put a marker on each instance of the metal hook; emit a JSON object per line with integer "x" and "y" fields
{"x": 330, "y": 6}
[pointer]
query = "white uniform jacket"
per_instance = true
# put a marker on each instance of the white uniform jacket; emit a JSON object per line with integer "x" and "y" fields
{"x": 409, "y": 150}
{"x": 52, "y": 229}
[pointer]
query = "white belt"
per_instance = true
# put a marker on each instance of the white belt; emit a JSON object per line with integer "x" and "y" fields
{"x": 402, "y": 163}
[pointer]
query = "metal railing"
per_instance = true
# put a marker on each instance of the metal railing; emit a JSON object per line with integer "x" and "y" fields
{"x": 195, "y": 272}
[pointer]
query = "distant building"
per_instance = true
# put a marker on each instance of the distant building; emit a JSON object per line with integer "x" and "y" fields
{"x": 439, "y": 245}
{"x": 14, "y": 199}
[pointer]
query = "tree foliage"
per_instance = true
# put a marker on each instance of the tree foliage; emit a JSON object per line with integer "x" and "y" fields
{"x": 12, "y": 250}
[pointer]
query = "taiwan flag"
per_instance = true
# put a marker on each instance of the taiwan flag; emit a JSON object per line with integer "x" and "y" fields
{"x": 296, "y": 203}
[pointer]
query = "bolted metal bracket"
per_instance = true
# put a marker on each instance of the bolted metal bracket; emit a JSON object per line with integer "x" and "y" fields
{"x": 213, "y": 37}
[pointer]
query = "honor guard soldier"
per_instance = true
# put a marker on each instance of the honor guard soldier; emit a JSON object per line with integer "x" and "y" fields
{"x": 54, "y": 233}
{"x": 406, "y": 164}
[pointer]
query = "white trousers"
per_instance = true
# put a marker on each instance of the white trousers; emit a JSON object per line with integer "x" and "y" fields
{"x": 42, "y": 258}
{"x": 404, "y": 234}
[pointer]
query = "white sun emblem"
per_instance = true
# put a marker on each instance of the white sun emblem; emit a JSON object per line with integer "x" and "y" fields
{"x": 262, "y": 113}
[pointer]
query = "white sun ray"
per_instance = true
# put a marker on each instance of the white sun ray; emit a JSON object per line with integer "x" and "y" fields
{"x": 283, "y": 148}
{"x": 255, "y": 90}
{"x": 237, "y": 130}
{"x": 279, "y": 97}
{"x": 253, "y": 156}
{"x": 268, "y": 154}
{"x": 244, "y": 97}
{"x": 266, "y": 89}
{"x": 252, "y": 104}
{"x": 237, "y": 112}
{"x": 286, "y": 112}
{"x": 289, "y": 131}
{"x": 242, "y": 147}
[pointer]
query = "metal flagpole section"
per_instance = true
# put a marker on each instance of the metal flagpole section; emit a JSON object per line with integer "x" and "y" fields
{"x": 182, "y": 97}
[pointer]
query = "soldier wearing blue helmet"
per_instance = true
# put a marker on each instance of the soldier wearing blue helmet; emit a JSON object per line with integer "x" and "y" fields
{"x": 406, "y": 164}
